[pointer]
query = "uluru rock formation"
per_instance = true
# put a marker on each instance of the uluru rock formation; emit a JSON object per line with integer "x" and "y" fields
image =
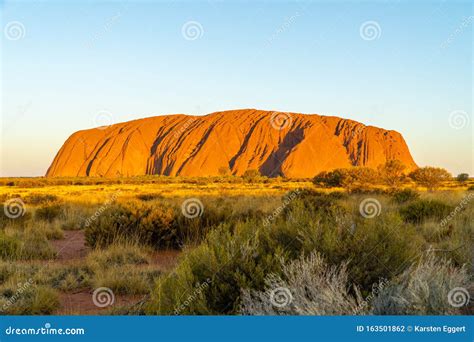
{"x": 275, "y": 143}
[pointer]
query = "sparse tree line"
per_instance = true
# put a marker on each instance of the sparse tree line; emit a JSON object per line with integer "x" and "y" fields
{"x": 391, "y": 174}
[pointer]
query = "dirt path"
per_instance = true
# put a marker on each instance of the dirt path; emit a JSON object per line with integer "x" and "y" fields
{"x": 165, "y": 260}
{"x": 81, "y": 303}
{"x": 72, "y": 246}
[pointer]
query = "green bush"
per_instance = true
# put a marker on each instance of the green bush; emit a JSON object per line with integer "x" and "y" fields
{"x": 420, "y": 210}
{"x": 240, "y": 255}
{"x": 310, "y": 202}
{"x": 430, "y": 177}
{"x": 151, "y": 225}
{"x": 405, "y": 195}
{"x": 355, "y": 177}
{"x": 158, "y": 226}
{"x": 330, "y": 179}
{"x": 462, "y": 177}
{"x": 391, "y": 173}
{"x": 48, "y": 213}
{"x": 231, "y": 258}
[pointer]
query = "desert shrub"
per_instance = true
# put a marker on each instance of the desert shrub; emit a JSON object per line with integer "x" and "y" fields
{"x": 471, "y": 188}
{"x": 425, "y": 288}
{"x": 430, "y": 177}
{"x": 462, "y": 177}
{"x": 40, "y": 199}
{"x": 147, "y": 224}
{"x": 149, "y": 197}
{"x": 404, "y": 196}
{"x": 159, "y": 226}
{"x": 252, "y": 175}
{"x": 310, "y": 202}
{"x": 239, "y": 255}
{"x": 355, "y": 177}
{"x": 330, "y": 179}
{"x": 307, "y": 286}
{"x": 361, "y": 177}
{"x": 28, "y": 300}
{"x": 213, "y": 273}
{"x": 420, "y": 210}
{"x": 375, "y": 248}
{"x": 48, "y": 213}
{"x": 391, "y": 173}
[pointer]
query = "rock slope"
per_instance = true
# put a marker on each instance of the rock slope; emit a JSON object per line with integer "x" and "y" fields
{"x": 275, "y": 143}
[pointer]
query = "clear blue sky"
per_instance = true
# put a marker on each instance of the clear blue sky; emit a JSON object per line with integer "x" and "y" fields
{"x": 75, "y": 59}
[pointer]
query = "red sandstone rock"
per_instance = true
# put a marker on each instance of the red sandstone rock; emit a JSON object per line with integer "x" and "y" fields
{"x": 275, "y": 143}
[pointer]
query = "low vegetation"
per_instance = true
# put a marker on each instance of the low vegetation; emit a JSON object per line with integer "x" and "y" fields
{"x": 250, "y": 238}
